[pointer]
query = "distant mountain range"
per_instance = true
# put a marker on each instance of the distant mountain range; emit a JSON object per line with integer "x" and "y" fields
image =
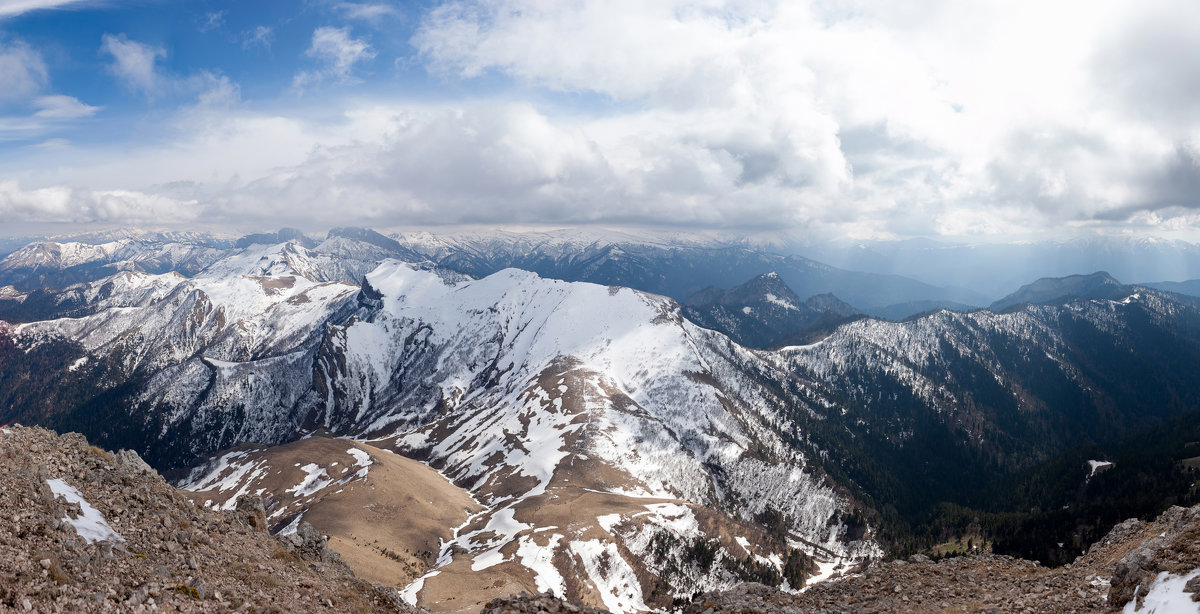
{"x": 993, "y": 269}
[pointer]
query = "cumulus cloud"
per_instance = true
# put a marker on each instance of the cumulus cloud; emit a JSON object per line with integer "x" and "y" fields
{"x": 855, "y": 118}
{"x": 336, "y": 53}
{"x": 66, "y": 205}
{"x": 136, "y": 65}
{"x": 896, "y": 115}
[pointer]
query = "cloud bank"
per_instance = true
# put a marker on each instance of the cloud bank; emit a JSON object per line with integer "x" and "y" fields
{"x": 857, "y": 119}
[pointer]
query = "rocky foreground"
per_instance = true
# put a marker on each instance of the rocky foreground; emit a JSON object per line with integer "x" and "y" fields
{"x": 1151, "y": 567}
{"x": 1142, "y": 567}
{"x": 86, "y": 530}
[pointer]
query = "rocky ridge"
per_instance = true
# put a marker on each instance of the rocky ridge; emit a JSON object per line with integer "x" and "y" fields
{"x": 1139, "y": 567}
{"x": 86, "y": 530}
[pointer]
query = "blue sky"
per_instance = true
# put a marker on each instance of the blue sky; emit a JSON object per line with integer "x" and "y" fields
{"x": 259, "y": 46}
{"x": 856, "y": 120}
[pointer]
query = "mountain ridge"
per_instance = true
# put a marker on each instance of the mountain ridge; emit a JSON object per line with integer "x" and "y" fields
{"x": 764, "y": 312}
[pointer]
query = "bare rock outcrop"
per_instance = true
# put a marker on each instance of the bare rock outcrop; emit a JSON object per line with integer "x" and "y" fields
{"x": 541, "y": 603}
{"x": 86, "y": 530}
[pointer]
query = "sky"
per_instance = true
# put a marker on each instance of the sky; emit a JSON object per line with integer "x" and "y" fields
{"x": 857, "y": 120}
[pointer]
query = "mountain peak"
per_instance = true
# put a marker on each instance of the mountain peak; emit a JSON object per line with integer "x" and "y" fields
{"x": 1098, "y": 285}
{"x": 283, "y": 235}
{"x": 764, "y": 311}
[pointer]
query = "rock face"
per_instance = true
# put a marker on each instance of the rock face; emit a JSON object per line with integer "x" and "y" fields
{"x": 1170, "y": 546}
{"x": 85, "y": 530}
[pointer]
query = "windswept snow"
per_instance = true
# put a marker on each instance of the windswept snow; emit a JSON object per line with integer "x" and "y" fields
{"x": 775, "y": 300}
{"x": 315, "y": 479}
{"x": 292, "y": 526}
{"x": 539, "y": 560}
{"x": 90, "y": 524}
{"x": 613, "y": 578}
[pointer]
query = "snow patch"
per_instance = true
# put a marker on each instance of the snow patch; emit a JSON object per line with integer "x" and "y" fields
{"x": 613, "y": 578}
{"x": 1166, "y": 596}
{"x": 608, "y": 521}
{"x": 292, "y": 526}
{"x": 315, "y": 479}
{"x": 90, "y": 525}
{"x": 771, "y": 298}
{"x": 1096, "y": 465}
{"x": 409, "y": 594}
{"x": 540, "y": 560}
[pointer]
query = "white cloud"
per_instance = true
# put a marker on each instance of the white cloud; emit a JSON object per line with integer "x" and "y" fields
{"x": 22, "y": 71}
{"x": 212, "y": 21}
{"x": 9, "y": 8}
{"x": 65, "y": 205}
{"x": 134, "y": 63}
{"x": 372, "y": 12}
{"x": 62, "y": 107}
{"x": 858, "y": 118}
{"x": 891, "y": 115}
{"x": 260, "y": 36}
{"x": 337, "y": 53}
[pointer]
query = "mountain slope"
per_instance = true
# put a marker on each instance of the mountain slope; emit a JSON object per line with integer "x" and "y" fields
{"x": 961, "y": 400}
{"x": 50, "y": 265}
{"x": 386, "y": 515}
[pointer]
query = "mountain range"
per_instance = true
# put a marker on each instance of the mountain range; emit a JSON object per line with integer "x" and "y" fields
{"x": 604, "y": 442}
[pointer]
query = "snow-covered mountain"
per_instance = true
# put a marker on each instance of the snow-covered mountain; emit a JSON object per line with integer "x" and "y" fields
{"x": 619, "y": 453}
{"x": 764, "y": 312}
{"x": 523, "y": 390}
{"x": 48, "y": 265}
